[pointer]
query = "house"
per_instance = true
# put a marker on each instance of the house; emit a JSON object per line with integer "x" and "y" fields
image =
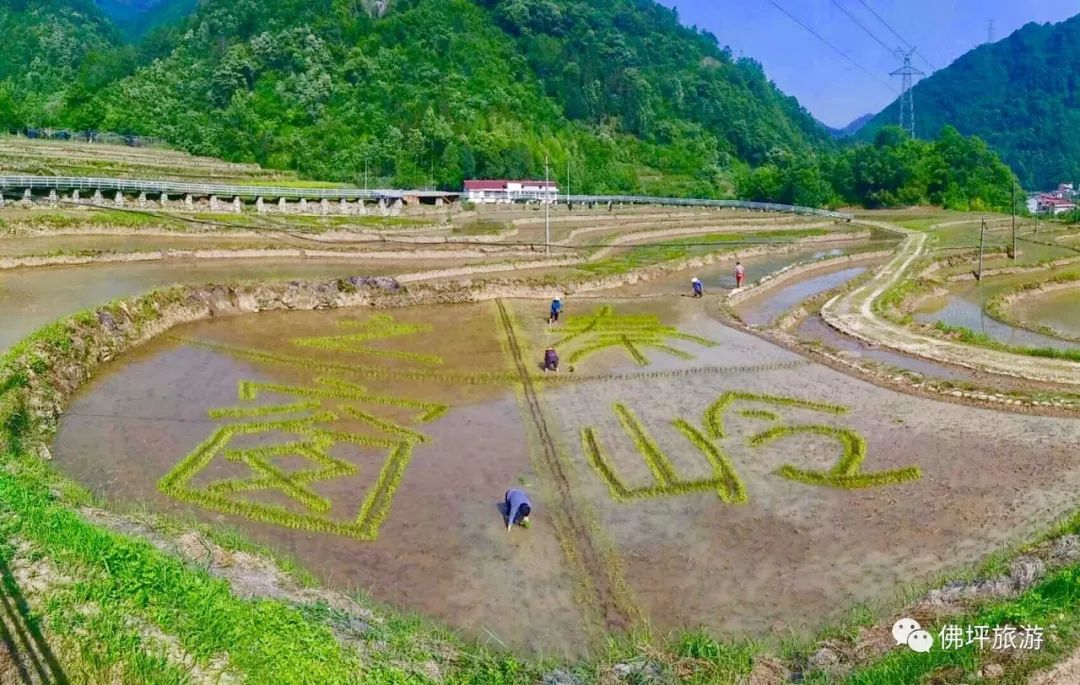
{"x": 1033, "y": 202}
{"x": 494, "y": 191}
{"x": 1051, "y": 204}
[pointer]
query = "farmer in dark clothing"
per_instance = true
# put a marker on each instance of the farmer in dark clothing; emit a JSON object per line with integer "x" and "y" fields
{"x": 551, "y": 360}
{"x": 699, "y": 290}
{"x": 518, "y": 508}
{"x": 556, "y": 307}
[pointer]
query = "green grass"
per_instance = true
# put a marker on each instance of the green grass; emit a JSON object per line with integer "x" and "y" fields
{"x": 123, "y": 576}
{"x": 481, "y": 227}
{"x": 998, "y": 307}
{"x": 130, "y": 582}
{"x": 1053, "y": 604}
{"x": 60, "y": 220}
{"x": 637, "y": 256}
{"x": 967, "y": 336}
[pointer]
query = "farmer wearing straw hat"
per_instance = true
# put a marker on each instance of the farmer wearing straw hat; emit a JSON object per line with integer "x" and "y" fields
{"x": 699, "y": 290}
{"x": 551, "y": 360}
{"x": 518, "y": 508}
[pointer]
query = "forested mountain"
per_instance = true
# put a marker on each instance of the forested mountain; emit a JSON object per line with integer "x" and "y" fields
{"x": 440, "y": 89}
{"x": 48, "y": 45}
{"x": 1021, "y": 95}
{"x": 852, "y": 128}
{"x": 136, "y": 18}
{"x": 428, "y": 92}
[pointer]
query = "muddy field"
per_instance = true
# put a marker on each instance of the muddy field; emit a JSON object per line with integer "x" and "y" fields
{"x": 963, "y": 306}
{"x": 1059, "y": 311}
{"x": 737, "y": 547}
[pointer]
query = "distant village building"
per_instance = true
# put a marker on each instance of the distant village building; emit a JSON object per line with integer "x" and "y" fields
{"x": 1049, "y": 203}
{"x": 496, "y": 191}
{"x": 1054, "y": 202}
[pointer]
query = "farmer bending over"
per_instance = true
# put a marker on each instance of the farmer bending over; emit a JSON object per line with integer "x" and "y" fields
{"x": 517, "y": 508}
{"x": 556, "y": 307}
{"x": 551, "y": 360}
{"x": 699, "y": 289}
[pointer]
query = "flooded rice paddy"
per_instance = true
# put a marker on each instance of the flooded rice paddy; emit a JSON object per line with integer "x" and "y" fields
{"x": 813, "y": 328}
{"x": 764, "y": 309}
{"x": 1059, "y": 311}
{"x": 963, "y": 306}
{"x": 31, "y": 298}
{"x": 721, "y": 276}
{"x": 688, "y": 532}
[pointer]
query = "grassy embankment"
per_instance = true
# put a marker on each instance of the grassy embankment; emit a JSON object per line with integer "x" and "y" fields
{"x": 633, "y": 257}
{"x": 999, "y": 306}
{"x": 115, "y": 594}
{"x": 60, "y": 220}
{"x": 891, "y": 305}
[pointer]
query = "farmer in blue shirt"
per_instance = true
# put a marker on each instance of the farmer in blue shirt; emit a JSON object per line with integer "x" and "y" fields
{"x": 699, "y": 290}
{"x": 517, "y": 508}
{"x": 556, "y": 307}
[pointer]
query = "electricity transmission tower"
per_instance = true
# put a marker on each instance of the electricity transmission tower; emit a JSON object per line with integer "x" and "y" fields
{"x": 989, "y": 30}
{"x": 907, "y": 99}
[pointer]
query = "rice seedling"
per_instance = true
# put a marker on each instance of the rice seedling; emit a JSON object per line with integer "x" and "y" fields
{"x": 727, "y": 484}
{"x": 351, "y": 369}
{"x": 714, "y": 421}
{"x": 846, "y": 474}
{"x": 378, "y": 327}
{"x": 604, "y": 329}
{"x": 316, "y": 440}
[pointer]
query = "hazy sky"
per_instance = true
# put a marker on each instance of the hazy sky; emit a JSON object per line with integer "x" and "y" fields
{"x": 834, "y": 90}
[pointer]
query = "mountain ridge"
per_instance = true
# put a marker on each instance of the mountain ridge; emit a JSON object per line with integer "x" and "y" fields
{"x": 1020, "y": 94}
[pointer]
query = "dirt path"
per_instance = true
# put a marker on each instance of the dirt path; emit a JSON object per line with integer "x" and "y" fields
{"x": 853, "y": 314}
{"x": 1064, "y": 672}
{"x": 609, "y": 602}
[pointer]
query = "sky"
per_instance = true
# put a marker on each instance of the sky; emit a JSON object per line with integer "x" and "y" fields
{"x": 832, "y": 88}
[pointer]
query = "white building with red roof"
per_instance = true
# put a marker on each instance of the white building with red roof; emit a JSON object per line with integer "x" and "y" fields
{"x": 1049, "y": 203}
{"x": 494, "y": 191}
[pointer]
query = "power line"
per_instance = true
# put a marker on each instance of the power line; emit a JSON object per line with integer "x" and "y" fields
{"x": 861, "y": 26}
{"x": 886, "y": 24}
{"x": 835, "y": 49}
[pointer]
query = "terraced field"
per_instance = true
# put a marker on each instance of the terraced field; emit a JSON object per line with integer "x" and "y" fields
{"x": 308, "y": 427}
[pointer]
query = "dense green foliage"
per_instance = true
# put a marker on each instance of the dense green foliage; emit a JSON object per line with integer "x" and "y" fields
{"x": 53, "y": 51}
{"x": 433, "y": 92}
{"x": 136, "y": 18}
{"x": 1020, "y": 94}
{"x": 617, "y": 94}
{"x": 953, "y": 171}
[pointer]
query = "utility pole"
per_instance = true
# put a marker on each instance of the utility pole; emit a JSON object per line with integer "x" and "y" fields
{"x": 547, "y": 206}
{"x": 982, "y": 245}
{"x": 1014, "y": 220}
{"x": 568, "y": 182}
{"x": 907, "y": 99}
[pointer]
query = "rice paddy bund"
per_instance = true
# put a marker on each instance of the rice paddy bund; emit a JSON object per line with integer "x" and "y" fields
{"x": 375, "y": 447}
{"x": 718, "y": 484}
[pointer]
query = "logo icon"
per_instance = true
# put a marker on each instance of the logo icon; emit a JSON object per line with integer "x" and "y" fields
{"x": 907, "y": 631}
